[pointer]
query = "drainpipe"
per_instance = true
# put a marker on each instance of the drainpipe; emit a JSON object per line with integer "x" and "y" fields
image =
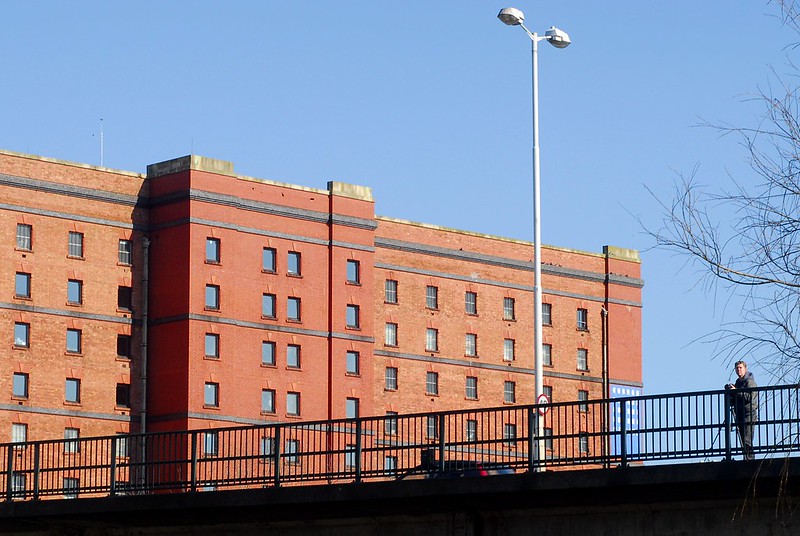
{"x": 604, "y": 416}
{"x": 143, "y": 367}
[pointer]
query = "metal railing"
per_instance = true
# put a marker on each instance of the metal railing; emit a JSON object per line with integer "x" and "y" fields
{"x": 597, "y": 433}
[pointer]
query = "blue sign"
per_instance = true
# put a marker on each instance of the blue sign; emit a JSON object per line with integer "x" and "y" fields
{"x": 629, "y": 411}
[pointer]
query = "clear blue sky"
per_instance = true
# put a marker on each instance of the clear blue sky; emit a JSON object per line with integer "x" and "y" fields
{"x": 426, "y": 102}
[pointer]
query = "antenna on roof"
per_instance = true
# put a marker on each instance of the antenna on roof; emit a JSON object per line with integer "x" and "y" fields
{"x": 101, "y": 142}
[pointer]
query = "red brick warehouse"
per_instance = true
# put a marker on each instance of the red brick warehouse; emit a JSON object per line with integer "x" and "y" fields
{"x": 224, "y": 300}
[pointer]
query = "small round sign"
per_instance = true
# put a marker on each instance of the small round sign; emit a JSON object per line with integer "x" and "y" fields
{"x": 543, "y": 402}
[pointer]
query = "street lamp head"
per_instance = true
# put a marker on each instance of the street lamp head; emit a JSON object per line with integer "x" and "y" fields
{"x": 511, "y": 16}
{"x": 558, "y": 38}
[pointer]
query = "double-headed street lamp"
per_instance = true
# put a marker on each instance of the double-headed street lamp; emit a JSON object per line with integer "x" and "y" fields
{"x": 559, "y": 39}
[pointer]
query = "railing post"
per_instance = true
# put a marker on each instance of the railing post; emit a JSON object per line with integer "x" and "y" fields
{"x": 727, "y": 421}
{"x": 358, "y": 450}
{"x": 532, "y": 447}
{"x": 277, "y": 454}
{"x": 440, "y": 432}
{"x": 36, "y": 469}
{"x": 623, "y": 432}
{"x": 9, "y": 470}
{"x": 193, "y": 467}
{"x": 113, "y": 482}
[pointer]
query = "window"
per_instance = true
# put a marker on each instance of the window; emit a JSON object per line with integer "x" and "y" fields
{"x": 268, "y": 260}
{"x": 471, "y": 345}
{"x": 71, "y": 487}
{"x": 22, "y": 335}
{"x": 19, "y": 433}
{"x": 471, "y": 303}
{"x": 292, "y": 449}
{"x": 123, "y": 395}
{"x": 390, "y": 379}
{"x": 508, "y": 349}
{"x": 390, "y": 465}
{"x": 293, "y": 309}
{"x": 353, "y": 272}
{"x": 548, "y": 438}
{"x": 472, "y": 430}
{"x": 293, "y": 263}
{"x": 267, "y": 446}
{"x": 268, "y": 353}
{"x": 22, "y": 285}
{"x": 353, "y": 320}
{"x": 508, "y": 309}
{"x": 18, "y": 485}
{"x": 124, "y": 346}
{"x": 432, "y": 383}
{"x": 352, "y": 362}
{"x": 24, "y": 237}
{"x": 72, "y": 390}
{"x": 583, "y": 359}
{"x": 212, "y": 250}
{"x": 583, "y": 443}
{"x": 351, "y": 408}
{"x": 19, "y": 388}
{"x": 212, "y": 297}
{"x": 211, "y": 395}
{"x": 432, "y": 340}
{"x": 391, "y": 334}
{"x": 583, "y": 319}
{"x": 472, "y": 388}
{"x": 210, "y": 443}
{"x": 293, "y": 356}
{"x": 75, "y": 244}
{"x": 293, "y": 404}
{"x": 509, "y": 433}
{"x": 74, "y": 292}
{"x": 350, "y": 456}
{"x": 124, "y": 298}
{"x": 125, "y": 252}
{"x": 390, "y": 424}
{"x": 547, "y": 355}
{"x": 583, "y": 397}
{"x": 431, "y": 429}
{"x": 268, "y": 306}
{"x": 71, "y": 444}
{"x": 509, "y": 392}
{"x": 267, "y": 401}
{"x": 390, "y": 291}
{"x": 74, "y": 341}
{"x": 432, "y": 297}
{"x": 547, "y": 390}
{"x": 212, "y": 345}
{"x": 547, "y": 317}
{"x": 122, "y": 445}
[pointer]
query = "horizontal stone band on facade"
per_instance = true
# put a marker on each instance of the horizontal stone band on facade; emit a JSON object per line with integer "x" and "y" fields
{"x": 503, "y": 284}
{"x": 492, "y": 260}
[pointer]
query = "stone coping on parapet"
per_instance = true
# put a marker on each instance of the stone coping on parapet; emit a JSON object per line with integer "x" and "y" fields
{"x": 70, "y": 163}
{"x": 631, "y": 255}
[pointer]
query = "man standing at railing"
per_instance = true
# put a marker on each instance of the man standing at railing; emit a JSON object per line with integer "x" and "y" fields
{"x": 745, "y": 406}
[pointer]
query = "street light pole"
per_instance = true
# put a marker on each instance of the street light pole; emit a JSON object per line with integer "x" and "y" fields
{"x": 558, "y": 38}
